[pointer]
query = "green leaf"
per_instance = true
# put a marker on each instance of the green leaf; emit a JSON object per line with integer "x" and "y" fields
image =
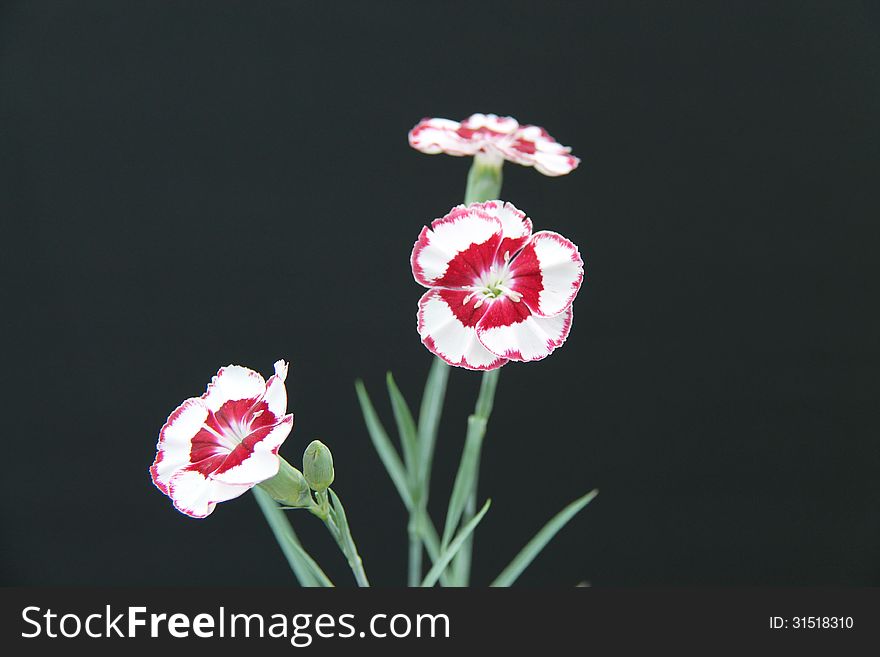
{"x": 406, "y": 429}
{"x": 349, "y": 549}
{"x": 307, "y": 571}
{"x": 509, "y": 575}
{"x": 386, "y": 451}
{"x": 464, "y": 478}
{"x": 429, "y": 419}
{"x": 338, "y": 512}
{"x": 429, "y": 534}
{"x": 446, "y": 555}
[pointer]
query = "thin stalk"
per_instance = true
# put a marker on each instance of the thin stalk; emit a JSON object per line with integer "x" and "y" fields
{"x": 307, "y": 571}
{"x": 414, "y": 570}
{"x": 336, "y": 521}
{"x": 482, "y": 411}
{"x": 483, "y": 184}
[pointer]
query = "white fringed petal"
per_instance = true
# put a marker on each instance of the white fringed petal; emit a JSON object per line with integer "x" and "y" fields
{"x": 233, "y": 383}
{"x": 550, "y": 266}
{"x": 531, "y": 338}
{"x": 446, "y": 335}
{"x": 450, "y": 252}
{"x": 196, "y": 495}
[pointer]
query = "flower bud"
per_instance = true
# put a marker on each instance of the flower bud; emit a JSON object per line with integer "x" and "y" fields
{"x": 318, "y": 466}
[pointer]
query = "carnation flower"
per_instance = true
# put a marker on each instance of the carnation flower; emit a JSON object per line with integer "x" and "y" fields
{"x": 497, "y": 292}
{"x": 493, "y": 139}
{"x": 218, "y": 446}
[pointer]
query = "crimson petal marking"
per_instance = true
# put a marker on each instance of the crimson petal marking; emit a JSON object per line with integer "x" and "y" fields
{"x": 197, "y": 495}
{"x": 532, "y": 338}
{"x": 433, "y": 136}
{"x": 533, "y": 146}
{"x": 233, "y": 383}
{"x": 256, "y": 458}
{"x": 467, "y": 314}
{"x": 446, "y": 336}
{"x": 206, "y": 444}
{"x": 233, "y": 419}
{"x": 175, "y": 441}
{"x": 456, "y": 249}
{"x": 502, "y": 312}
{"x": 558, "y": 264}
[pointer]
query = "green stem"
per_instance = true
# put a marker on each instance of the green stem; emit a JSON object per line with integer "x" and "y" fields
{"x": 483, "y": 410}
{"x": 303, "y": 566}
{"x": 414, "y": 572}
{"x": 337, "y": 523}
{"x": 483, "y": 182}
{"x": 413, "y": 477}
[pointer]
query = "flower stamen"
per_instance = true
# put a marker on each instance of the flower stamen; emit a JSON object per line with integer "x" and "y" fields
{"x": 515, "y": 296}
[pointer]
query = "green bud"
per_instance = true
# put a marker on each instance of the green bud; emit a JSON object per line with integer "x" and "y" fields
{"x": 318, "y": 466}
{"x": 288, "y": 487}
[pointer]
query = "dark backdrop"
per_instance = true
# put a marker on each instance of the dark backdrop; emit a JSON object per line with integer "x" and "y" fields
{"x": 191, "y": 184}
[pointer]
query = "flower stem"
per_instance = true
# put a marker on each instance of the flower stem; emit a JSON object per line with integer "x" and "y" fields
{"x": 334, "y": 518}
{"x": 477, "y": 428}
{"x": 414, "y": 571}
{"x": 483, "y": 182}
{"x": 307, "y": 571}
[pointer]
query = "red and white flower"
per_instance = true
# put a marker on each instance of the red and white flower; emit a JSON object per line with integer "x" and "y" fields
{"x": 218, "y": 446}
{"x": 497, "y": 291}
{"x": 493, "y": 139}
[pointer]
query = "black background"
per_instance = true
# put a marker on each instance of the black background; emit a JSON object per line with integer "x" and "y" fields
{"x": 191, "y": 184}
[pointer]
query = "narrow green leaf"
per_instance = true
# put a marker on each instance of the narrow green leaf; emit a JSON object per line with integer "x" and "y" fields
{"x": 349, "y": 549}
{"x": 406, "y": 429}
{"x": 446, "y": 555}
{"x": 430, "y": 412}
{"x": 383, "y": 445}
{"x": 429, "y": 418}
{"x": 464, "y": 478}
{"x": 307, "y": 571}
{"x": 338, "y": 512}
{"x": 429, "y": 534}
{"x": 509, "y": 575}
